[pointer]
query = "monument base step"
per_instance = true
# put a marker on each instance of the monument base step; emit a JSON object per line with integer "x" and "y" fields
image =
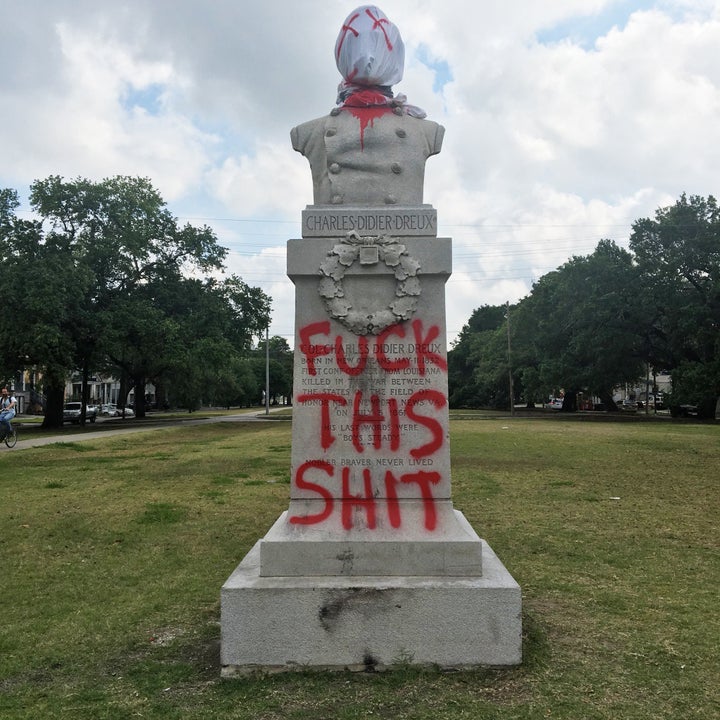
{"x": 453, "y": 549}
{"x": 286, "y": 623}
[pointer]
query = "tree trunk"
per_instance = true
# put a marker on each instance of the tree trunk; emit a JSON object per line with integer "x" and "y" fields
{"x": 123, "y": 391}
{"x": 608, "y": 402}
{"x": 84, "y": 393}
{"x": 161, "y": 395}
{"x": 707, "y": 407}
{"x": 55, "y": 397}
{"x": 139, "y": 382}
{"x": 569, "y": 401}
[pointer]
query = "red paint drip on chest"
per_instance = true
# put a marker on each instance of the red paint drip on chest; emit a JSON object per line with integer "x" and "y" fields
{"x": 361, "y": 105}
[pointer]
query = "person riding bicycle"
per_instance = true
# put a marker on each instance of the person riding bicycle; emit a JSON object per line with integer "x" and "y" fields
{"x": 7, "y": 412}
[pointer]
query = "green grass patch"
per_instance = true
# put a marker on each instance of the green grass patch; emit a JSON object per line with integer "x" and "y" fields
{"x": 113, "y": 554}
{"x": 74, "y": 446}
{"x": 162, "y": 513}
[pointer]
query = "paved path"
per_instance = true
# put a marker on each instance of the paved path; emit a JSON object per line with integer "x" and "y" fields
{"x": 108, "y": 428}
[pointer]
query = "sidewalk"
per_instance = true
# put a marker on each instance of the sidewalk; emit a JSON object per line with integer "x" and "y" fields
{"x": 28, "y": 441}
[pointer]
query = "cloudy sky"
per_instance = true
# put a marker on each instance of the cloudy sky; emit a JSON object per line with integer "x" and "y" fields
{"x": 566, "y": 120}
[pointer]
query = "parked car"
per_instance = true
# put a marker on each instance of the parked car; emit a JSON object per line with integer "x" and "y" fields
{"x": 73, "y": 411}
{"x": 657, "y": 401}
{"x": 684, "y": 410}
{"x": 112, "y": 410}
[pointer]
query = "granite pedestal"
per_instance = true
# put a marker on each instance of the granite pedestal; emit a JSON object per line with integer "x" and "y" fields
{"x": 371, "y": 564}
{"x": 368, "y": 622}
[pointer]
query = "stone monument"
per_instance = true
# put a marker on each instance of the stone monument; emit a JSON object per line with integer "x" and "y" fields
{"x": 371, "y": 564}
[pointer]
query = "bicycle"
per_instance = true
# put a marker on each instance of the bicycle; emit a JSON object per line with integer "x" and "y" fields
{"x": 10, "y": 438}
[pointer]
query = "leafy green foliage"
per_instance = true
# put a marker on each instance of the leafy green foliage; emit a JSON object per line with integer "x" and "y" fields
{"x": 600, "y": 320}
{"x": 477, "y": 365}
{"x": 280, "y": 365}
{"x": 580, "y": 327}
{"x": 679, "y": 255}
{"x": 108, "y": 280}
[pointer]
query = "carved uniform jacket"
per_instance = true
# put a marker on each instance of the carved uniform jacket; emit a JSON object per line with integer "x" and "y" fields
{"x": 358, "y": 159}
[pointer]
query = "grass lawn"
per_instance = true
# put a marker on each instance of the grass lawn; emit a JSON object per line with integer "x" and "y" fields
{"x": 113, "y": 552}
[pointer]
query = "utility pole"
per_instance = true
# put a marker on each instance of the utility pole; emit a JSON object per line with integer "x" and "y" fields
{"x": 267, "y": 370}
{"x": 509, "y": 356}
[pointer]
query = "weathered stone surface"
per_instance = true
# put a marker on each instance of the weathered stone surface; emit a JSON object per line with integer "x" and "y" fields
{"x": 375, "y": 159}
{"x": 337, "y": 622}
{"x": 371, "y": 481}
{"x": 453, "y": 549}
{"x": 371, "y": 564}
{"x": 333, "y": 221}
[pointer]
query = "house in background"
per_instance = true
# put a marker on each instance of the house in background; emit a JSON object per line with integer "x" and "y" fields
{"x": 656, "y": 384}
{"x": 104, "y": 390}
{"x": 23, "y": 387}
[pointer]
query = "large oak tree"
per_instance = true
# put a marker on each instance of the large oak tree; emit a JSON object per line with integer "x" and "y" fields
{"x": 106, "y": 278}
{"x": 678, "y": 252}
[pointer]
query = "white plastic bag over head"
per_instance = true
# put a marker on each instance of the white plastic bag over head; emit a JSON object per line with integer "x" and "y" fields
{"x": 369, "y": 49}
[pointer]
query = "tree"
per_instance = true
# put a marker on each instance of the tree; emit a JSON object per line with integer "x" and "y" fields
{"x": 582, "y": 326}
{"x": 478, "y": 361}
{"x": 678, "y": 253}
{"x": 47, "y": 292}
{"x": 8, "y": 204}
{"x": 120, "y": 231}
{"x": 104, "y": 282}
{"x": 280, "y": 366}
{"x": 216, "y": 321}
{"x": 602, "y": 320}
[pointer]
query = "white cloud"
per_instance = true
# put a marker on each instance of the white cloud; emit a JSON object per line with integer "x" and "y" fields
{"x": 84, "y": 125}
{"x": 268, "y": 267}
{"x": 259, "y": 184}
{"x": 550, "y": 145}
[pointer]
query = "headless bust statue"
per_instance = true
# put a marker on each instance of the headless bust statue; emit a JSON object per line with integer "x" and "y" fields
{"x": 371, "y": 149}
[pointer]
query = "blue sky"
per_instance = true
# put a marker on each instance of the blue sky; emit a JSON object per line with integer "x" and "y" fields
{"x": 439, "y": 66}
{"x": 585, "y": 29}
{"x": 147, "y": 98}
{"x": 566, "y": 120}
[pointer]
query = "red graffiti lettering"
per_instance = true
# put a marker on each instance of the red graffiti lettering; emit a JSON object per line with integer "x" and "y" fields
{"x": 435, "y": 428}
{"x": 424, "y": 480}
{"x": 423, "y": 352}
{"x": 326, "y": 436}
{"x": 342, "y": 359}
{"x": 375, "y": 419}
{"x": 383, "y": 361}
{"x": 369, "y": 500}
{"x": 350, "y": 501}
{"x": 309, "y": 350}
{"x": 324, "y": 493}
{"x": 378, "y": 23}
{"x": 345, "y": 29}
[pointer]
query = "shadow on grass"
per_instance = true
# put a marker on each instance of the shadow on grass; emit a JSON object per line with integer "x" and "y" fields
{"x": 535, "y": 644}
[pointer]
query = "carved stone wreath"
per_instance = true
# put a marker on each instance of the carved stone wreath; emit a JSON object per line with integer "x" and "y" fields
{"x": 369, "y": 251}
